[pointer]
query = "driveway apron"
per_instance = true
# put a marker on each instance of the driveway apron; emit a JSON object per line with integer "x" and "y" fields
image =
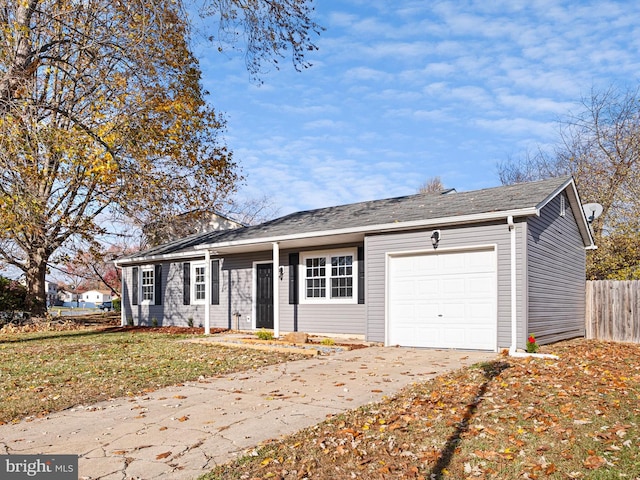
{"x": 184, "y": 431}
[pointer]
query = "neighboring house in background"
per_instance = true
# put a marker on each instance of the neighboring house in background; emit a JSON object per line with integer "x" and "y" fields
{"x": 470, "y": 270}
{"x": 91, "y": 298}
{"x": 69, "y": 298}
{"x": 51, "y": 292}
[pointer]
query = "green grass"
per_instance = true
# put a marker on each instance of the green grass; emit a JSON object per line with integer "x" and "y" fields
{"x": 50, "y": 371}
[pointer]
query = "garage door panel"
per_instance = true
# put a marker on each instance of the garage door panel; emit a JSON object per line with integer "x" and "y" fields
{"x": 452, "y": 263}
{"x": 479, "y": 286}
{"x": 404, "y": 290}
{"x": 478, "y": 311}
{"x": 451, "y": 311}
{"x": 452, "y": 287}
{"x": 443, "y": 300}
{"x": 425, "y": 286}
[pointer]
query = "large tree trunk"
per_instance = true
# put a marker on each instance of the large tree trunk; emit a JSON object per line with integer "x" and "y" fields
{"x": 36, "y": 272}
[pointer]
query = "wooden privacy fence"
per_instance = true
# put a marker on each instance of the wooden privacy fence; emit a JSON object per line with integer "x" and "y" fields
{"x": 613, "y": 310}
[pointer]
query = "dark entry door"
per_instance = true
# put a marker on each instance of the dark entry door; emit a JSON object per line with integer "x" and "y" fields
{"x": 264, "y": 295}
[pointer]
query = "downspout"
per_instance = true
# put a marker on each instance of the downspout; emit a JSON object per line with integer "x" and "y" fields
{"x": 122, "y": 313}
{"x": 276, "y": 289}
{"x": 207, "y": 291}
{"x": 513, "y": 350}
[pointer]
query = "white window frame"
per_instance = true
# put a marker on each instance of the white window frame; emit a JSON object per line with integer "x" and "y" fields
{"x": 152, "y": 300}
{"x": 194, "y": 298}
{"x": 327, "y": 254}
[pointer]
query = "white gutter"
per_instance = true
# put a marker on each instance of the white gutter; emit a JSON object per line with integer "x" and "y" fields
{"x": 165, "y": 256}
{"x": 513, "y": 350}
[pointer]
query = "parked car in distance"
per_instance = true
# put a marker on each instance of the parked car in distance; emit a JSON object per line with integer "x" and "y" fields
{"x": 106, "y": 306}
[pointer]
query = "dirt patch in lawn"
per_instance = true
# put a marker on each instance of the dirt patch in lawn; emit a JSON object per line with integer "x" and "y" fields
{"x": 519, "y": 418}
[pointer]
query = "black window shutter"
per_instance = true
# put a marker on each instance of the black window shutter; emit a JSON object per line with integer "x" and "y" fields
{"x": 186, "y": 283}
{"x": 157, "y": 285}
{"x": 134, "y": 286}
{"x": 294, "y": 260}
{"x": 215, "y": 282}
{"x": 361, "y": 275}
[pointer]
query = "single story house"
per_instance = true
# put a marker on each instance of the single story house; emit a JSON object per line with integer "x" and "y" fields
{"x": 468, "y": 270}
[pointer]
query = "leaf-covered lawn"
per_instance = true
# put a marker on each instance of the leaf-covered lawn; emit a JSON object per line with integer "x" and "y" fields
{"x": 514, "y": 418}
{"x": 49, "y": 371}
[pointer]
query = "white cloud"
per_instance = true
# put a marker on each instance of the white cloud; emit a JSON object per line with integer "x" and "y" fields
{"x": 405, "y": 91}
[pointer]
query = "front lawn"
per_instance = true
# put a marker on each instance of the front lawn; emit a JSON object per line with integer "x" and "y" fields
{"x": 49, "y": 371}
{"x": 514, "y": 418}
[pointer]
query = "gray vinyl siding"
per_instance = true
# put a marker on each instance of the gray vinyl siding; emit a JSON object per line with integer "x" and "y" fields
{"x": 236, "y": 293}
{"x": 171, "y": 311}
{"x": 556, "y": 262}
{"x": 319, "y": 318}
{"x": 377, "y": 246}
{"x": 236, "y": 297}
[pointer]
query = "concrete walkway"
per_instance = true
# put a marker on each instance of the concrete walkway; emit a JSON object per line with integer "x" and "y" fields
{"x": 184, "y": 431}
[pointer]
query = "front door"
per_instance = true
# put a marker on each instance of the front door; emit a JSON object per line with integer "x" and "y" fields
{"x": 264, "y": 295}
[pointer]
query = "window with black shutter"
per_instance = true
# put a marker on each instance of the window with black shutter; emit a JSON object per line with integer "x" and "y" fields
{"x": 134, "y": 285}
{"x": 158, "y": 285}
{"x": 215, "y": 282}
{"x": 186, "y": 283}
{"x": 294, "y": 260}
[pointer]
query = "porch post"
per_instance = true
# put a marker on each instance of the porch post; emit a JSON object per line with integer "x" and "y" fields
{"x": 207, "y": 291}
{"x": 276, "y": 289}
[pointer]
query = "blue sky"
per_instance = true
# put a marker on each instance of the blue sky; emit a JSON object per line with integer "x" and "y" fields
{"x": 402, "y": 91}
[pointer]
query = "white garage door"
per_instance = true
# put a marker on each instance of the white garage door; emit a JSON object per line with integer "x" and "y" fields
{"x": 443, "y": 300}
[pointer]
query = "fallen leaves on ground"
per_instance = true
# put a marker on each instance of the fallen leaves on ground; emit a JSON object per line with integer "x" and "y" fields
{"x": 512, "y": 418}
{"x": 43, "y": 372}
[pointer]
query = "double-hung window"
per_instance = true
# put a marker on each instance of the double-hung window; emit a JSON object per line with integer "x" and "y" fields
{"x": 328, "y": 277}
{"x": 148, "y": 285}
{"x": 342, "y": 276}
{"x": 198, "y": 283}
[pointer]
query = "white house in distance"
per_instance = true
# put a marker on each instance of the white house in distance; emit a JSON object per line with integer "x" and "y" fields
{"x": 92, "y": 297}
{"x": 51, "y": 291}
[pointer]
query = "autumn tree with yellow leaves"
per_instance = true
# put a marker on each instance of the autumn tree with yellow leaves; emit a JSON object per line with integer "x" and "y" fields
{"x": 103, "y": 115}
{"x": 600, "y": 147}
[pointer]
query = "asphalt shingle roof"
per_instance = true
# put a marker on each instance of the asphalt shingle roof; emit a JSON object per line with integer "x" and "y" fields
{"x": 427, "y": 206}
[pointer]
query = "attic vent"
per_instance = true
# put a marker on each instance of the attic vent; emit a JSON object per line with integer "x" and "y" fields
{"x": 563, "y": 208}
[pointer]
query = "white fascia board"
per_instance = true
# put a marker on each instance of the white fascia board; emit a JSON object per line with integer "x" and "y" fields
{"x": 583, "y": 223}
{"x": 387, "y": 227}
{"x": 576, "y": 207}
{"x": 555, "y": 193}
{"x": 155, "y": 258}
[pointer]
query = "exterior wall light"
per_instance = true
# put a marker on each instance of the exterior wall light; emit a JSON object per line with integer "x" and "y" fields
{"x": 435, "y": 238}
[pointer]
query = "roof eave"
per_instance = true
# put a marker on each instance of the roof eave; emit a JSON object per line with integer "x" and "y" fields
{"x": 576, "y": 207}
{"x": 151, "y": 258}
{"x": 381, "y": 228}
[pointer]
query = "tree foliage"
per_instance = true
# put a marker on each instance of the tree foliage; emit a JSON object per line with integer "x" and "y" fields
{"x": 600, "y": 147}
{"x": 103, "y": 115}
{"x": 12, "y": 295}
{"x": 431, "y": 185}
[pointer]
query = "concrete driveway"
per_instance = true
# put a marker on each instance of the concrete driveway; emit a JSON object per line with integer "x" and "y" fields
{"x": 182, "y": 432}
